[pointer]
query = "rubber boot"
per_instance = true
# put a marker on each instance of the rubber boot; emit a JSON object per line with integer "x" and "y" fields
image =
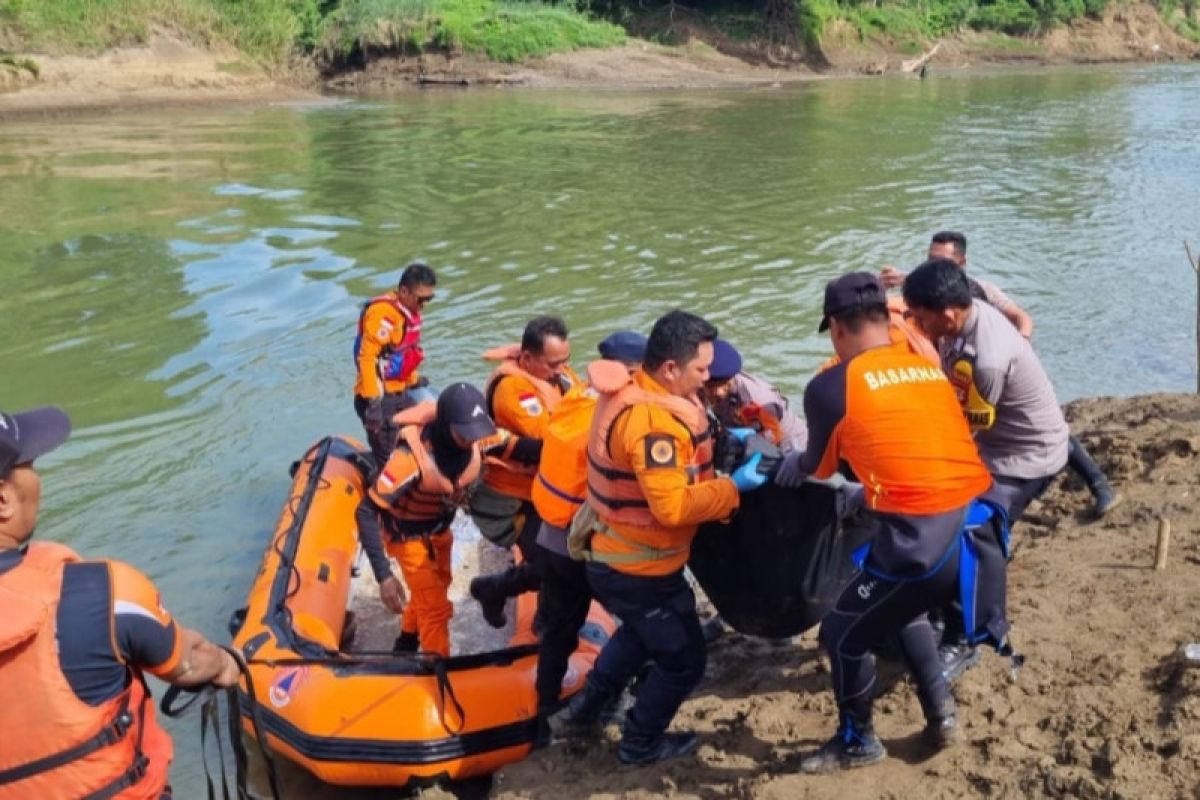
{"x": 638, "y": 751}
{"x": 586, "y": 714}
{"x": 1081, "y": 463}
{"x": 406, "y": 642}
{"x": 854, "y": 745}
{"x": 1106, "y": 498}
{"x": 489, "y": 590}
{"x": 941, "y": 726}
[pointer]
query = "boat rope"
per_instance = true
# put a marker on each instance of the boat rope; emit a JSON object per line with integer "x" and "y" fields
{"x": 208, "y": 697}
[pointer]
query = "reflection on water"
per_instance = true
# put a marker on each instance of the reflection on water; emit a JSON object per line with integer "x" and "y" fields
{"x": 186, "y": 284}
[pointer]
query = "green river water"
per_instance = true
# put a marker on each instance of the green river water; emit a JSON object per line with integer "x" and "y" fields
{"x": 186, "y": 284}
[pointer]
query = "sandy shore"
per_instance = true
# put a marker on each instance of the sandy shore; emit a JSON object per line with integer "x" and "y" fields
{"x": 1104, "y": 708}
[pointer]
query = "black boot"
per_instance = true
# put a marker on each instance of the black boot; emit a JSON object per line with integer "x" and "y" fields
{"x": 854, "y": 745}
{"x": 638, "y": 751}
{"x": 1106, "y": 498}
{"x": 941, "y": 726}
{"x": 406, "y": 643}
{"x": 490, "y": 591}
{"x": 586, "y": 714}
{"x": 1082, "y": 463}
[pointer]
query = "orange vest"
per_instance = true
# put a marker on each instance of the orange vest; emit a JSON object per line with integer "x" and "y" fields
{"x": 613, "y": 491}
{"x": 560, "y": 487}
{"x": 507, "y": 477}
{"x": 429, "y": 506}
{"x": 134, "y": 756}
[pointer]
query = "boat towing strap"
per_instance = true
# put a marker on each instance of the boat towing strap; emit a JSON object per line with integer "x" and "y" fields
{"x": 208, "y": 697}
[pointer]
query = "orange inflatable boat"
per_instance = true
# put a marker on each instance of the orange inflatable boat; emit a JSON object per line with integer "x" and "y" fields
{"x": 376, "y": 719}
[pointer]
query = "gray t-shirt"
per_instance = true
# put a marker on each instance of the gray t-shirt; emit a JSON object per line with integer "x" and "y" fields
{"x": 751, "y": 389}
{"x": 1008, "y": 399}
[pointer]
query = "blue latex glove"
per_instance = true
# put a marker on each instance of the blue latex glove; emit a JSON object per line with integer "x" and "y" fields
{"x": 741, "y": 434}
{"x": 747, "y": 478}
{"x": 789, "y": 475}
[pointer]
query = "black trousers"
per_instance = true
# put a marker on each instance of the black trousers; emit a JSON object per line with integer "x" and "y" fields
{"x": 871, "y": 610}
{"x": 562, "y": 608}
{"x": 659, "y": 625}
{"x": 383, "y": 440}
{"x": 526, "y": 576}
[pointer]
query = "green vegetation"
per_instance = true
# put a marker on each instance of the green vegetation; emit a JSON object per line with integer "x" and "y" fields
{"x": 273, "y": 30}
{"x": 340, "y": 32}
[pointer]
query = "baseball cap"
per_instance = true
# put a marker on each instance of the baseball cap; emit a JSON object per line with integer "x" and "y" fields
{"x": 623, "y": 346}
{"x": 855, "y": 290}
{"x": 462, "y": 407}
{"x": 32, "y": 434}
{"x": 726, "y": 363}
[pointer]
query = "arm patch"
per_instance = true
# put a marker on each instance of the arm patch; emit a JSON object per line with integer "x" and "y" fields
{"x": 660, "y": 451}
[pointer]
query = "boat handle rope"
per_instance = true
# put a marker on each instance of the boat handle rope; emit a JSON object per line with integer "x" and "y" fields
{"x": 441, "y": 674}
{"x": 446, "y": 689}
{"x": 209, "y": 697}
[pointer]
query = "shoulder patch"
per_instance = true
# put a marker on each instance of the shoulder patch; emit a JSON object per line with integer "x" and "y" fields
{"x": 530, "y": 403}
{"x": 660, "y": 451}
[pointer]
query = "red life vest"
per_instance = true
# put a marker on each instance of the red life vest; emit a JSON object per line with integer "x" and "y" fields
{"x": 397, "y": 362}
{"x": 430, "y": 505}
{"x": 66, "y": 748}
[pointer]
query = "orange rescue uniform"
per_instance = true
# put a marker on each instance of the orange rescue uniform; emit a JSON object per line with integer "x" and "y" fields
{"x": 387, "y": 333}
{"x": 650, "y": 478}
{"x": 894, "y": 418}
{"x": 522, "y": 404}
{"x": 420, "y": 503}
{"x": 36, "y": 696}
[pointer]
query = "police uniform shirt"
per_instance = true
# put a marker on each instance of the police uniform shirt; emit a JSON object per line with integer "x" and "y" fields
{"x": 1008, "y": 399}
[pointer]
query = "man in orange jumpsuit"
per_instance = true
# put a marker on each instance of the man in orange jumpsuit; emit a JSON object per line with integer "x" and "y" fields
{"x": 414, "y": 499}
{"x": 75, "y": 639}
{"x": 522, "y": 393}
{"x": 388, "y": 355}
{"x": 651, "y": 483}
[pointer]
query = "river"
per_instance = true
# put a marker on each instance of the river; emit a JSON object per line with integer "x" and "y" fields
{"x": 186, "y": 283}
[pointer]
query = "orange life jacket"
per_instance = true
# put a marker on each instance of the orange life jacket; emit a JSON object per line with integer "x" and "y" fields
{"x": 508, "y": 477}
{"x": 65, "y": 748}
{"x": 429, "y": 506}
{"x": 560, "y": 487}
{"x": 398, "y": 362}
{"x": 613, "y": 491}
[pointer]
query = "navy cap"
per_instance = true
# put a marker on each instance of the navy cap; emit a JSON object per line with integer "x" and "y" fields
{"x": 462, "y": 407}
{"x": 628, "y": 346}
{"x": 726, "y": 363}
{"x": 855, "y": 290}
{"x": 30, "y": 435}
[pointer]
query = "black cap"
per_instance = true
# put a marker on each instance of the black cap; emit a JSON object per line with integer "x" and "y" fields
{"x": 628, "y": 346}
{"x": 855, "y": 290}
{"x": 30, "y": 434}
{"x": 726, "y": 363}
{"x": 462, "y": 407}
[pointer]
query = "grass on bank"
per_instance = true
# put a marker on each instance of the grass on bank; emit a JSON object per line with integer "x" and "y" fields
{"x": 273, "y": 30}
{"x": 503, "y": 30}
